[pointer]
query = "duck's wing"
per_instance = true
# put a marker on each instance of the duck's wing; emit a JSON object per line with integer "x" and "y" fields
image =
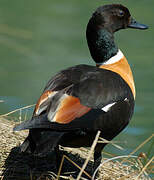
{"x": 63, "y": 107}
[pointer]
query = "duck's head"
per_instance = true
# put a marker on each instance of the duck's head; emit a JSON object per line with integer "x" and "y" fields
{"x": 115, "y": 17}
{"x": 104, "y": 22}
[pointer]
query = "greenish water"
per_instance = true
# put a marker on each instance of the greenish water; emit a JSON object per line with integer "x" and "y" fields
{"x": 39, "y": 38}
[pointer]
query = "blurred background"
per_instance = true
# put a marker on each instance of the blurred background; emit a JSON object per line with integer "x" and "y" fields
{"x": 39, "y": 38}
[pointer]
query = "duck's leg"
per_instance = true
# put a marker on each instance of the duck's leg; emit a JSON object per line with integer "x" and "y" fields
{"x": 58, "y": 157}
{"x": 98, "y": 156}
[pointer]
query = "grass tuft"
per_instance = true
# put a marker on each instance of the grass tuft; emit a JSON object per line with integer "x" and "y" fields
{"x": 76, "y": 163}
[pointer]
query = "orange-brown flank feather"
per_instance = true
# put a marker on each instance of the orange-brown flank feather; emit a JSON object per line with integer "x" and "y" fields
{"x": 69, "y": 109}
{"x": 42, "y": 99}
{"x": 123, "y": 69}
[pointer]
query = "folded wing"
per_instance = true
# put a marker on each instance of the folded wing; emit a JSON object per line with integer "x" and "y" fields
{"x": 68, "y": 98}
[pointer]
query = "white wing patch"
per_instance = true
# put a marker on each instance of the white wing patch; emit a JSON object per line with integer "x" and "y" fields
{"x": 42, "y": 106}
{"x": 126, "y": 99}
{"x": 51, "y": 114}
{"x": 108, "y": 107}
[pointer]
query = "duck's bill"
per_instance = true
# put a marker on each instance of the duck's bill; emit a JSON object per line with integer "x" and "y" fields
{"x": 134, "y": 24}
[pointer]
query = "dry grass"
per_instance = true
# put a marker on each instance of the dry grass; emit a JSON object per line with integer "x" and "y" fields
{"x": 16, "y": 166}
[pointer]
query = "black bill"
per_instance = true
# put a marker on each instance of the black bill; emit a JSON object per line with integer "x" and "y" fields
{"x": 134, "y": 24}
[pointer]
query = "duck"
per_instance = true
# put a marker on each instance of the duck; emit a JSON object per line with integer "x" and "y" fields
{"x": 81, "y": 100}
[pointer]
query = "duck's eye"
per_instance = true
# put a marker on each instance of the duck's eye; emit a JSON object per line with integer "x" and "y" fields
{"x": 121, "y": 13}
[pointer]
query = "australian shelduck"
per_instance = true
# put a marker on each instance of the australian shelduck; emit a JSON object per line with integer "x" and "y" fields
{"x": 80, "y": 100}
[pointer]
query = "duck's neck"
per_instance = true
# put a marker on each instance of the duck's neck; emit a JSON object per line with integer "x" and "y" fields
{"x": 101, "y": 43}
